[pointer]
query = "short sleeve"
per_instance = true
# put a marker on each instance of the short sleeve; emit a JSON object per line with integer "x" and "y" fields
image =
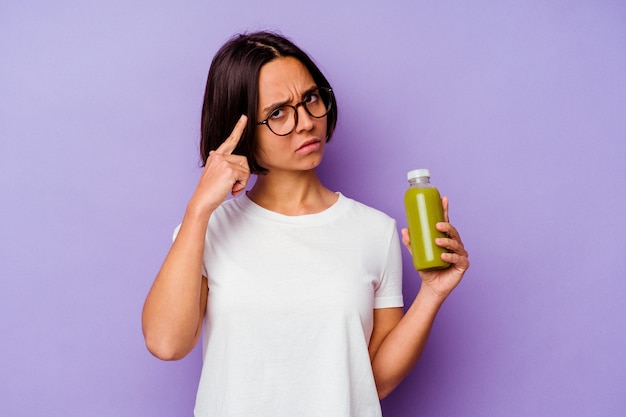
{"x": 389, "y": 292}
{"x": 176, "y": 230}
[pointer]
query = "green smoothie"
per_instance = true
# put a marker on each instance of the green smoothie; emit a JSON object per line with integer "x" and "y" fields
{"x": 423, "y": 210}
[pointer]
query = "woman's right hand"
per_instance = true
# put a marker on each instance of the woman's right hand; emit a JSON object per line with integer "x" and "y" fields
{"x": 175, "y": 306}
{"x": 223, "y": 173}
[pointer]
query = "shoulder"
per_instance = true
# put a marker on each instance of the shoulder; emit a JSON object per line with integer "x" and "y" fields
{"x": 227, "y": 215}
{"x": 367, "y": 215}
{"x": 361, "y": 209}
{"x": 232, "y": 206}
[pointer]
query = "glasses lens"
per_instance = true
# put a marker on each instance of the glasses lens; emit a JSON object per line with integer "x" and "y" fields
{"x": 318, "y": 102}
{"x": 282, "y": 120}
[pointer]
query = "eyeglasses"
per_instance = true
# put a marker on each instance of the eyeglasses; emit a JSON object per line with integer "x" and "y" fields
{"x": 284, "y": 119}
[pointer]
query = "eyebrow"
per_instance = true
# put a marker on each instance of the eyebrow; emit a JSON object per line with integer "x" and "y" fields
{"x": 282, "y": 103}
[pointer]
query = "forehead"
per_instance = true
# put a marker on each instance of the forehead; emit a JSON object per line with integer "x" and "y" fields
{"x": 283, "y": 78}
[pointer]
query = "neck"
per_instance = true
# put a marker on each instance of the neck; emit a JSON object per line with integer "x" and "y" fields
{"x": 292, "y": 194}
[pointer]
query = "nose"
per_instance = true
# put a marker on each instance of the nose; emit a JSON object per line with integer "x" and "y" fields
{"x": 304, "y": 121}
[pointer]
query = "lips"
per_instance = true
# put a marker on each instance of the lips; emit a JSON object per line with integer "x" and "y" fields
{"x": 309, "y": 145}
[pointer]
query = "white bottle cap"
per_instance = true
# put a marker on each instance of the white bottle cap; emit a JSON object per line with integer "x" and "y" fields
{"x": 417, "y": 173}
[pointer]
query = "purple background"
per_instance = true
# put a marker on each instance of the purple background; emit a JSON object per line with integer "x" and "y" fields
{"x": 518, "y": 109}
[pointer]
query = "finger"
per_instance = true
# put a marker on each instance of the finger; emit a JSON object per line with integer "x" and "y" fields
{"x": 460, "y": 262}
{"x": 453, "y": 241}
{"x": 231, "y": 141}
{"x": 242, "y": 161}
{"x": 453, "y": 246}
{"x": 449, "y": 230}
{"x": 240, "y": 183}
{"x": 444, "y": 204}
{"x": 406, "y": 240}
{"x": 238, "y": 187}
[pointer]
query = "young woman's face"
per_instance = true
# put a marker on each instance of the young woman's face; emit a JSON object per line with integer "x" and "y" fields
{"x": 286, "y": 81}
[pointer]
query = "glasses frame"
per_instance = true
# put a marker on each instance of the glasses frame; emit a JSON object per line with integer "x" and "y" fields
{"x": 295, "y": 113}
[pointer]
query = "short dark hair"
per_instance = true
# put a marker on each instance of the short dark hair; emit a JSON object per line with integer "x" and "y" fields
{"x": 232, "y": 89}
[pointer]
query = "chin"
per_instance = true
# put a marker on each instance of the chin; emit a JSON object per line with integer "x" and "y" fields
{"x": 316, "y": 162}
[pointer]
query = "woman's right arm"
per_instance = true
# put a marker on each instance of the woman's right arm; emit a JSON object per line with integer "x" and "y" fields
{"x": 174, "y": 308}
{"x": 173, "y": 311}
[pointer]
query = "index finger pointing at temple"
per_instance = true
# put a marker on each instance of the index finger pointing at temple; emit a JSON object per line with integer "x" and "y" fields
{"x": 231, "y": 142}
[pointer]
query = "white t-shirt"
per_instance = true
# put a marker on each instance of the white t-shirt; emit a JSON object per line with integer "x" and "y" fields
{"x": 290, "y": 310}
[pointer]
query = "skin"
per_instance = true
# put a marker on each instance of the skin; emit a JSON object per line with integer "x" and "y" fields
{"x": 292, "y": 186}
{"x": 401, "y": 339}
{"x": 175, "y": 306}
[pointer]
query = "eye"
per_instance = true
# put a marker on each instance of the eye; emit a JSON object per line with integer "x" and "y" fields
{"x": 312, "y": 97}
{"x": 277, "y": 113}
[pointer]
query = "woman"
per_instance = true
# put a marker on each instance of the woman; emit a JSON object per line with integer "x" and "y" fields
{"x": 296, "y": 289}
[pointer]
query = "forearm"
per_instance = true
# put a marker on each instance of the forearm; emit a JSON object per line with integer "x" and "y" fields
{"x": 403, "y": 346}
{"x": 171, "y": 312}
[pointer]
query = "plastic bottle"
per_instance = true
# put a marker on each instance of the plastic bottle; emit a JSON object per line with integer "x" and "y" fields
{"x": 423, "y": 207}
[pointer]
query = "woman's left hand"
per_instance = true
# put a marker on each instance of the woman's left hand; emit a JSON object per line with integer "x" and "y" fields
{"x": 442, "y": 282}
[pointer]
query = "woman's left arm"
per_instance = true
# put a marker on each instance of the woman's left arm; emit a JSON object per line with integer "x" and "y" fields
{"x": 398, "y": 340}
